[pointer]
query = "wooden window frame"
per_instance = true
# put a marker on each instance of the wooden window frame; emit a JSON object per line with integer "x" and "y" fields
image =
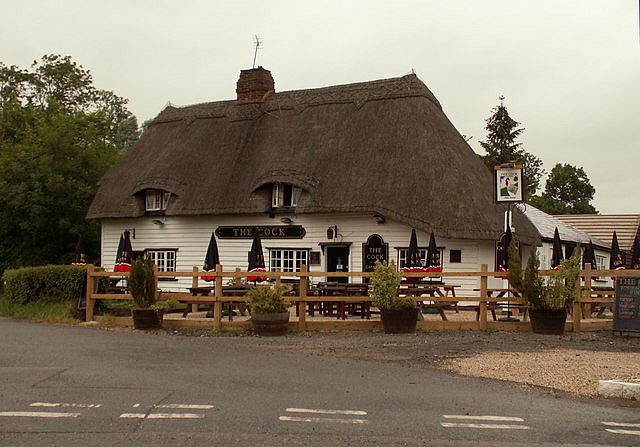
{"x": 278, "y": 192}
{"x": 152, "y": 253}
{"x": 296, "y": 261}
{"x": 160, "y": 197}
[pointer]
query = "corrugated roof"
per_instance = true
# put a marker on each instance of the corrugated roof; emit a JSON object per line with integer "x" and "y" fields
{"x": 546, "y": 225}
{"x": 602, "y": 226}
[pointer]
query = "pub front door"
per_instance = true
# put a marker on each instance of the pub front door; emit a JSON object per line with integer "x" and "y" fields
{"x": 338, "y": 261}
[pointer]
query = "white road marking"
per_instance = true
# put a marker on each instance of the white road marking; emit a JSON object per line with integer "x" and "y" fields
{"x": 63, "y": 405}
{"x": 38, "y": 414}
{"x": 623, "y": 432}
{"x": 162, "y": 416}
{"x": 489, "y": 426}
{"x": 185, "y": 406}
{"x": 333, "y": 420}
{"x": 175, "y": 416}
{"x": 621, "y": 424}
{"x": 318, "y": 411}
{"x": 483, "y": 418}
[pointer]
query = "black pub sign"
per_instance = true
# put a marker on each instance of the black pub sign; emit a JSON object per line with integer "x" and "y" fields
{"x": 375, "y": 249}
{"x": 264, "y": 231}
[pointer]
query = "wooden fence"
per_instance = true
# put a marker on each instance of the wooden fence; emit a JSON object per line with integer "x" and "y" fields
{"x": 586, "y": 296}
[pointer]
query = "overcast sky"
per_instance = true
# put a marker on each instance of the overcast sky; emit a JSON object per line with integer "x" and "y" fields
{"x": 570, "y": 70}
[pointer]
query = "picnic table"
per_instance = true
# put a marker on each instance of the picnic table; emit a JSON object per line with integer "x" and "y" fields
{"x": 500, "y": 292}
{"x": 340, "y": 309}
{"x": 418, "y": 289}
{"x": 226, "y": 291}
{"x": 195, "y": 291}
{"x": 599, "y": 292}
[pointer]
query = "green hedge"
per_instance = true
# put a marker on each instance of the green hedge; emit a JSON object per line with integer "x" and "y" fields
{"x": 53, "y": 283}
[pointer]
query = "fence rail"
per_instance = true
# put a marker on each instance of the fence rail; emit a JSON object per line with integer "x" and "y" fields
{"x": 585, "y": 294}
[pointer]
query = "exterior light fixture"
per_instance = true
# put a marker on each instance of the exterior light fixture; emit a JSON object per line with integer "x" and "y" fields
{"x": 332, "y": 231}
{"x": 379, "y": 218}
{"x": 157, "y": 222}
{"x": 286, "y": 220}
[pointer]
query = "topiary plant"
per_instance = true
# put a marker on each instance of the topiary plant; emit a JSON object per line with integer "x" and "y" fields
{"x": 142, "y": 283}
{"x": 383, "y": 289}
{"x": 267, "y": 300}
{"x": 556, "y": 292}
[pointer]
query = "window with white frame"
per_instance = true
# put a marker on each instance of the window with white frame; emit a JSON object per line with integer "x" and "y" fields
{"x": 157, "y": 200}
{"x": 402, "y": 256}
{"x": 165, "y": 259}
{"x": 601, "y": 262}
{"x": 287, "y": 260}
{"x": 284, "y": 195}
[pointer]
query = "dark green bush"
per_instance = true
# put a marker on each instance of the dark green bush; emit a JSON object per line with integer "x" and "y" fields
{"x": 142, "y": 283}
{"x": 54, "y": 283}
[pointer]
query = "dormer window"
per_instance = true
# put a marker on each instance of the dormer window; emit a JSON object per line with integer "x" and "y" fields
{"x": 157, "y": 200}
{"x": 285, "y": 195}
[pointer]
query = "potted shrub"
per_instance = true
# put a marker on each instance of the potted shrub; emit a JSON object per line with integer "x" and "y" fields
{"x": 547, "y": 298}
{"x": 146, "y": 312}
{"x": 269, "y": 312}
{"x": 399, "y": 314}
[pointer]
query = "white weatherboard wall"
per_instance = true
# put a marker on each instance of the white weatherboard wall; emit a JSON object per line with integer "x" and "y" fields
{"x": 190, "y": 235}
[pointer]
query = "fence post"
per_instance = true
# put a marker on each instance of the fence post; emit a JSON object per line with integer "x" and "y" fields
{"x": 278, "y": 280}
{"x": 89, "y": 293}
{"x": 587, "y": 307}
{"x": 577, "y": 306}
{"x": 483, "y": 296}
{"x": 217, "y": 305}
{"x": 194, "y": 284}
{"x": 302, "y": 304}
{"x": 155, "y": 276}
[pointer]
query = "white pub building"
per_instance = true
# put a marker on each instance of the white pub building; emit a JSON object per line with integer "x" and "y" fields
{"x": 332, "y": 177}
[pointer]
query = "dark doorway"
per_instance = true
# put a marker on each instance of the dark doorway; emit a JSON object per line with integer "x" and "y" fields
{"x": 338, "y": 261}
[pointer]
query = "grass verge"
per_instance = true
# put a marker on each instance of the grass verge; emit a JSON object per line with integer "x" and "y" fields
{"x": 40, "y": 311}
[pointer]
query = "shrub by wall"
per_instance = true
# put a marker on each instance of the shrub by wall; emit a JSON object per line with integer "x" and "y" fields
{"x": 54, "y": 283}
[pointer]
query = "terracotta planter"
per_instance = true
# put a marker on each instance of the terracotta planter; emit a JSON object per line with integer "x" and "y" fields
{"x": 271, "y": 324}
{"x": 399, "y": 321}
{"x": 147, "y": 318}
{"x": 548, "y": 321}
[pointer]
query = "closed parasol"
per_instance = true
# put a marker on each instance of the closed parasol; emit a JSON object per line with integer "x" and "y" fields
{"x": 256, "y": 258}
{"x": 212, "y": 258}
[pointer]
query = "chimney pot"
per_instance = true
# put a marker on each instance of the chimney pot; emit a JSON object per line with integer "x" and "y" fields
{"x": 254, "y": 84}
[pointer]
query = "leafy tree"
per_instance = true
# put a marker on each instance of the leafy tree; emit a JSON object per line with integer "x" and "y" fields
{"x": 501, "y": 147}
{"x": 58, "y": 136}
{"x": 567, "y": 191}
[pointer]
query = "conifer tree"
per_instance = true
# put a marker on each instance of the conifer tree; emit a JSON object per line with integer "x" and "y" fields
{"x": 501, "y": 147}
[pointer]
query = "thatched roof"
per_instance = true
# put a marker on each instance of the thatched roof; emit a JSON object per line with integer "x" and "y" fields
{"x": 373, "y": 147}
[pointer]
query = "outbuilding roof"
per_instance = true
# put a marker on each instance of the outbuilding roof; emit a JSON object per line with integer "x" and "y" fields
{"x": 374, "y": 147}
{"x": 546, "y": 225}
{"x": 602, "y": 226}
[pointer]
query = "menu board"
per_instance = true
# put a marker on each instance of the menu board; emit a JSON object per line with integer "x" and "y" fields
{"x": 627, "y": 309}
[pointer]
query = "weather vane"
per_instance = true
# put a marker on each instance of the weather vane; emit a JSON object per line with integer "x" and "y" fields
{"x": 258, "y": 42}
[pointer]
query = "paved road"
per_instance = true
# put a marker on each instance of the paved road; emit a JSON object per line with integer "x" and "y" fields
{"x": 78, "y": 386}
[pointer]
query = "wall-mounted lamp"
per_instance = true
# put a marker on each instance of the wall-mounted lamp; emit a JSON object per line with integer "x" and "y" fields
{"x": 132, "y": 232}
{"x": 286, "y": 220}
{"x": 379, "y": 218}
{"x": 332, "y": 232}
{"x": 157, "y": 222}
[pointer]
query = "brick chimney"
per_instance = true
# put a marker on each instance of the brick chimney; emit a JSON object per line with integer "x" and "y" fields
{"x": 254, "y": 84}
